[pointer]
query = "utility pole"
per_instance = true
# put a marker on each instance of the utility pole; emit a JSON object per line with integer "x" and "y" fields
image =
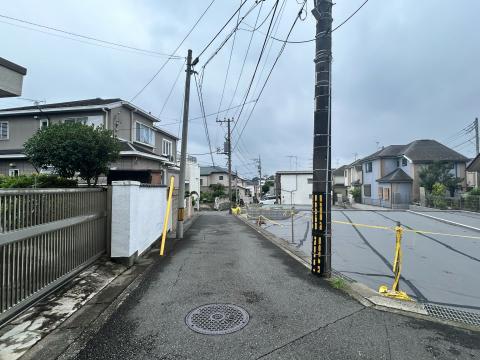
{"x": 183, "y": 154}
{"x": 477, "y": 140}
{"x": 322, "y": 163}
{"x": 260, "y": 176}
{"x": 227, "y": 150}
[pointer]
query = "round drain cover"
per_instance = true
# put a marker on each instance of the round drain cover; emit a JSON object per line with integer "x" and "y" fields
{"x": 217, "y": 319}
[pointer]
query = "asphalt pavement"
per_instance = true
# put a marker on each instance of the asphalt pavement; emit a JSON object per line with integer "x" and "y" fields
{"x": 437, "y": 268}
{"x": 292, "y": 314}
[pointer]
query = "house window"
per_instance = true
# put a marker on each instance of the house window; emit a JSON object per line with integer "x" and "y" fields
{"x": 220, "y": 177}
{"x": 43, "y": 123}
{"x": 79, "y": 120}
{"x": 310, "y": 181}
{"x": 398, "y": 162}
{"x": 144, "y": 134}
{"x": 13, "y": 172}
{"x": 201, "y": 182}
{"x": 95, "y": 120}
{"x": 404, "y": 162}
{"x": 367, "y": 190}
{"x": 4, "y": 130}
{"x": 380, "y": 193}
{"x": 166, "y": 147}
{"x": 368, "y": 167}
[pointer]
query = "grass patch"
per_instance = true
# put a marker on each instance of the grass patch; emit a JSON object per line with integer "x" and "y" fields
{"x": 338, "y": 283}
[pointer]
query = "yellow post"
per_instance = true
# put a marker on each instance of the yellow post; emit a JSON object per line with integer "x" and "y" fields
{"x": 397, "y": 268}
{"x": 167, "y": 214}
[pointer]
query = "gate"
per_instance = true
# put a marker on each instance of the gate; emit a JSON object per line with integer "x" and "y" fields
{"x": 47, "y": 236}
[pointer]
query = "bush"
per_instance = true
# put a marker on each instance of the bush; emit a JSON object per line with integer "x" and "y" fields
{"x": 356, "y": 192}
{"x": 36, "y": 181}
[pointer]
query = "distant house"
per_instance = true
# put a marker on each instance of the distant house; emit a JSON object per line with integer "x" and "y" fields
{"x": 294, "y": 187}
{"x": 353, "y": 177}
{"x": 211, "y": 175}
{"x": 473, "y": 173}
{"x": 340, "y": 190}
{"x": 11, "y": 79}
{"x": 147, "y": 151}
{"x": 391, "y": 175}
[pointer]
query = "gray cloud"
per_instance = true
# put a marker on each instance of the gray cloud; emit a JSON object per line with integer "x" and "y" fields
{"x": 402, "y": 70}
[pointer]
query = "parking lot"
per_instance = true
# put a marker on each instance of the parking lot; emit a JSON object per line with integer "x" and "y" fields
{"x": 441, "y": 268}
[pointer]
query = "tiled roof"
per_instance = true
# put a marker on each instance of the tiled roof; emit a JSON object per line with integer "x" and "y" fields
{"x": 419, "y": 151}
{"x": 340, "y": 171}
{"x": 396, "y": 176}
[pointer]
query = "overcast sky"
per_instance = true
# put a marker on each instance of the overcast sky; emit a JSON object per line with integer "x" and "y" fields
{"x": 402, "y": 70}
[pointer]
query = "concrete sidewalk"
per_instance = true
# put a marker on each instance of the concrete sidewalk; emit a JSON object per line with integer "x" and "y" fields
{"x": 293, "y": 315}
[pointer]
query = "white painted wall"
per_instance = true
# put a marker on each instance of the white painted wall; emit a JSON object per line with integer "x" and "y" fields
{"x": 298, "y": 183}
{"x": 137, "y": 217}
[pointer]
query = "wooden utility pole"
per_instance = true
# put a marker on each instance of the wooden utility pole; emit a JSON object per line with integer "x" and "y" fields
{"x": 227, "y": 150}
{"x": 322, "y": 163}
{"x": 183, "y": 154}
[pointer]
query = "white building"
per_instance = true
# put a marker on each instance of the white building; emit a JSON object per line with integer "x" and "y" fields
{"x": 294, "y": 187}
{"x": 192, "y": 177}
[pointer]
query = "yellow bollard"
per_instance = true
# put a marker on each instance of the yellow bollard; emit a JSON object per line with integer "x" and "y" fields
{"x": 397, "y": 269}
{"x": 167, "y": 213}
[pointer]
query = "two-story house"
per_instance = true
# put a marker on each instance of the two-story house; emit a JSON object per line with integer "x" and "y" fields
{"x": 147, "y": 151}
{"x": 212, "y": 175}
{"x": 353, "y": 177}
{"x": 391, "y": 175}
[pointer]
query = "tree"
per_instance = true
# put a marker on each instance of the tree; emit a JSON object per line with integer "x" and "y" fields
{"x": 72, "y": 148}
{"x": 266, "y": 186}
{"x": 438, "y": 172}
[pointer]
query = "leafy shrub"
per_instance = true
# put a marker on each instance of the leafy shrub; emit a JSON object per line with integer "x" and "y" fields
{"x": 356, "y": 192}
{"x": 36, "y": 181}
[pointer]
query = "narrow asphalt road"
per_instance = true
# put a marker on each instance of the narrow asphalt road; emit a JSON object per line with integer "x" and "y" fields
{"x": 293, "y": 315}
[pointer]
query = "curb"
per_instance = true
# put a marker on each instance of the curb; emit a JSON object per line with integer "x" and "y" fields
{"x": 71, "y": 337}
{"x": 445, "y": 221}
{"x": 360, "y": 292}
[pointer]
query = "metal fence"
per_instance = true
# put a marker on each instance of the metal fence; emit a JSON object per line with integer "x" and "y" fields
{"x": 46, "y": 237}
{"x": 465, "y": 202}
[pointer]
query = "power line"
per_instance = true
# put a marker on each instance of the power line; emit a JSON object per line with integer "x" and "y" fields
{"x": 225, "y": 41}
{"x": 315, "y": 38}
{"x": 219, "y": 32}
{"x": 174, "y": 52}
{"x": 171, "y": 90}
{"x": 228, "y": 66}
{"x": 258, "y": 63}
{"x": 211, "y": 114}
{"x": 270, "y": 73}
{"x": 202, "y": 108}
{"x": 245, "y": 57}
{"x": 85, "y": 36}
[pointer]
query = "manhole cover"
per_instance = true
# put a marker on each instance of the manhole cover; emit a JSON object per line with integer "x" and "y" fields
{"x": 217, "y": 319}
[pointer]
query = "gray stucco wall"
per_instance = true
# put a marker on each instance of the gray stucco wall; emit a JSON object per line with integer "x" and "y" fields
{"x": 21, "y": 128}
{"x": 22, "y": 165}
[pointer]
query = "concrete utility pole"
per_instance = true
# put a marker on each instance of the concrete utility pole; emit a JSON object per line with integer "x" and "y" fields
{"x": 260, "y": 175}
{"x": 322, "y": 163}
{"x": 228, "y": 151}
{"x": 183, "y": 154}
{"x": 477, "y": 140}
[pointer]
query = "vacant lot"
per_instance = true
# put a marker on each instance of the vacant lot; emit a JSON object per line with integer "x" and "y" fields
{"x": 437, "y": 268}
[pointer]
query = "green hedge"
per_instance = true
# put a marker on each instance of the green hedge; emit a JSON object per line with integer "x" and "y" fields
{"x": 36, "y": 181}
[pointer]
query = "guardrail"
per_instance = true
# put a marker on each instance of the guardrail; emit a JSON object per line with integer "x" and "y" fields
{"x": 47, "y": 236}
